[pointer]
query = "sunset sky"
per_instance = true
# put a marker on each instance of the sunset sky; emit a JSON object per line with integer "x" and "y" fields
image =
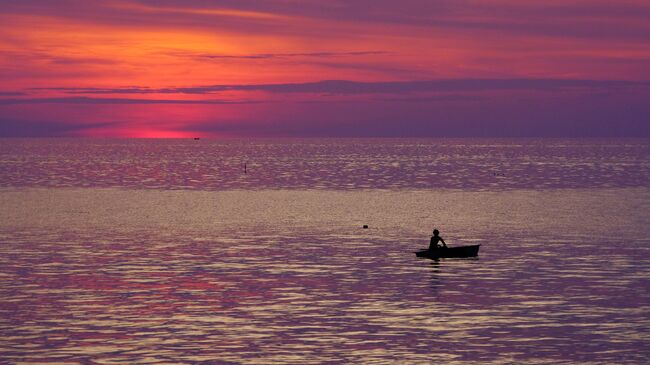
{"x": 324, "y": 68}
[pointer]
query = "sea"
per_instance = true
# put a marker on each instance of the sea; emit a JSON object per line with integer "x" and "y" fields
{"x": 184, "y": 251}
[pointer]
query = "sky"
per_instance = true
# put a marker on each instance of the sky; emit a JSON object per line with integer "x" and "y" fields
{"x": 324, "y": 68}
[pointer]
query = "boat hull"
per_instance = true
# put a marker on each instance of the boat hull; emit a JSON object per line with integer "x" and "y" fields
{"x": 450, "y": 252}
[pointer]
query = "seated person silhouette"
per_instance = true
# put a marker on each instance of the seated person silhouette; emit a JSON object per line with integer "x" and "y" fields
{"x": 434, "y": 241}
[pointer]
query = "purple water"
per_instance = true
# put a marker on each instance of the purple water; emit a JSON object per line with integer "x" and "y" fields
{"x": 325, "y": 164}
{"x": 159, "y": 252}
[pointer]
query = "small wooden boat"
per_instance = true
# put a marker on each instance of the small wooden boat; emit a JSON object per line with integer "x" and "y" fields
{"x": 449, "y": 252}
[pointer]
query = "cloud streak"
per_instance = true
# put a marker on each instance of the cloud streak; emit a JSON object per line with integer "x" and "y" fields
{"x": 384, "y": 87}
{"x": 90, "y": 100}
{"x": 44, "y": 128}
{"x": 580, "y": 18}
{"x": 266, "y": 56}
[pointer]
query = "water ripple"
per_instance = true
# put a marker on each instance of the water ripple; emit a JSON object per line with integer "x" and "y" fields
{"x": 476, "y": 164}
{"x": 152, "y": 299}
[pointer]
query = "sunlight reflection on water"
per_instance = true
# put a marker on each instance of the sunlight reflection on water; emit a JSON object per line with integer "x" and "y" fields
{"x": 341, "y": 164}
{"x": 258, "y": 287}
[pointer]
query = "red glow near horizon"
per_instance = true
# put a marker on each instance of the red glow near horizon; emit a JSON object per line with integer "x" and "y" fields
{"x": 137, "y": 133}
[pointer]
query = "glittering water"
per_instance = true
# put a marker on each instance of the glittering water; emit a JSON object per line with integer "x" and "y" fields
{"x": 287, "y": 275}
{"x": 325, "y": 164}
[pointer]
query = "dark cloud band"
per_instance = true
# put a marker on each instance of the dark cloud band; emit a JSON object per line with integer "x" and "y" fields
{"x": 389, "y": 87}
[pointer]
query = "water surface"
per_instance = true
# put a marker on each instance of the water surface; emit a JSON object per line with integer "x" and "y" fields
{"x": 326, "y": 164}
{"x": 277, "y": 269}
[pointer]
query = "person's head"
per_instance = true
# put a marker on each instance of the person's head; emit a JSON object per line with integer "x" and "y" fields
{"x": 435, "y": 232}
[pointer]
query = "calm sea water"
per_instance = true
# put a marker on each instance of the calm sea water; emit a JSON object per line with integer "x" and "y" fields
{"x": 166, "y": 252}
{"x": 326, "y": 164}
